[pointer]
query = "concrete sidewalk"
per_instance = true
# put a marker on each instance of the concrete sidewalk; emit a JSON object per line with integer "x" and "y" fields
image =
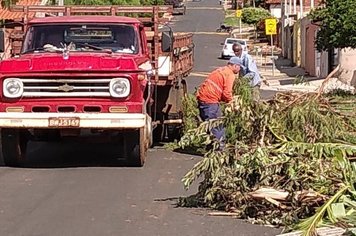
{"x": 286, "y": 77}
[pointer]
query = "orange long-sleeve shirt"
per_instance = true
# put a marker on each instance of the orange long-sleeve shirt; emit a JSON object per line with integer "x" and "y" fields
{"x": 217, "y": 87}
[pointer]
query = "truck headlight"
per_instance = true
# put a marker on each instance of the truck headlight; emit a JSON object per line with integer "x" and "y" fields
{"x": 12, "y": 88}
{"x": 119, "y": 87}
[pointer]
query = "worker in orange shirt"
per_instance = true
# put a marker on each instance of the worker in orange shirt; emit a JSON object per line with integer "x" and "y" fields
{"x": 216, "y": 88}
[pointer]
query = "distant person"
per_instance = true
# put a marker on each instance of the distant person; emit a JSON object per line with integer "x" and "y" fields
{"x": 249, "y": 69}
{"x": 216, "y": 88}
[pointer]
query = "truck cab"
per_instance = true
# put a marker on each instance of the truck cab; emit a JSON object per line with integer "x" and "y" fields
{"x": 82, "y": 74}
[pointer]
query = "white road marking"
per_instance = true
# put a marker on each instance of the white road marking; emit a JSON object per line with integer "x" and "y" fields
{"x": 199, "y": 74}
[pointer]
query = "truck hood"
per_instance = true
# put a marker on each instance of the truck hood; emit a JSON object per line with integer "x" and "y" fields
{"x": 55, "y": 62}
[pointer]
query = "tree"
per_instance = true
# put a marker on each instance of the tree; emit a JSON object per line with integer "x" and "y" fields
{"x": 253, "y": 16}
{"x": 338, "y": 30}
{"x": 7, "y": 3}
{"x": 337, "y": 21}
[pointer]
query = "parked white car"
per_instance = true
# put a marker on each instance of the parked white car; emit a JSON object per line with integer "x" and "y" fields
{"x": 227, "y": 47}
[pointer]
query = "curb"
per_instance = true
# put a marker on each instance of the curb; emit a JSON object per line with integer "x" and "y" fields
{"x": 311, "y": 86}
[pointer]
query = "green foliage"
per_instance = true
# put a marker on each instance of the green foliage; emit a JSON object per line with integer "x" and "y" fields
{"x": 337, "y": 24}
{"x": 8, "y": 3}
{"x": 294, "y": 143}
{"x": 190, "y": 112}
{"x": 253, "y": 16}
{"x": 231, "y": 21}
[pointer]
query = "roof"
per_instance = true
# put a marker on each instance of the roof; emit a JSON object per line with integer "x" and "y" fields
{"x": 85, "y": 19}
{"x": 6, "y": 14}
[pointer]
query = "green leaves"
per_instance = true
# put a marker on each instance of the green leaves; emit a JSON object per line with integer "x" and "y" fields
{"x": 337, "y": 24}
{"x": 294, "y": 144}
{"x": 253, "y": 16}
{"x": 309, "y": 225}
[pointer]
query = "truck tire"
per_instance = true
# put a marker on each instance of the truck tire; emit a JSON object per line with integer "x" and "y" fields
{"x": 173, "y": 98}
{"x": 14, "y": 144}
{"x": 173, "y": 132}
{"x": 136, "y": 148}
{"x": 148, "y": 131}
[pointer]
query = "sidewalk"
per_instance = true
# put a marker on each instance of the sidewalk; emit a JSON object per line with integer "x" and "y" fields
{"x": 286, "y": 77}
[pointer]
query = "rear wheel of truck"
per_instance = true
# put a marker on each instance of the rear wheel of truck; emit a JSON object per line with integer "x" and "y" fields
{"x": 14, "y": 144}
{"x": 136, "y": 147}
{"x": 170, "y": 110}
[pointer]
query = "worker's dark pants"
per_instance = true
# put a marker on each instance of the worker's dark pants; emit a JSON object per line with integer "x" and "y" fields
{"x": 212, "y": 111}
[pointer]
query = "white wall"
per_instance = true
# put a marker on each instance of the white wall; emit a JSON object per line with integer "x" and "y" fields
{"x": 275, "y": 10}
{"x": 347, "y": 58}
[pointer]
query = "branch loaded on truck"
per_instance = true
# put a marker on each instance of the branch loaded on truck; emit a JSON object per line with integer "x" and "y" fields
{"x": 112, "y": 75}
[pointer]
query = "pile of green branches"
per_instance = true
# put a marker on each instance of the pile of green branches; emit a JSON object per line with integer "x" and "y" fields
{"x": 285, "y": 159}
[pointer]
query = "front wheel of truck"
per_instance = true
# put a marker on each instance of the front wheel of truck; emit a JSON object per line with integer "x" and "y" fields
{"x": 14, "y": 144}
{"x": 136, "y": 148}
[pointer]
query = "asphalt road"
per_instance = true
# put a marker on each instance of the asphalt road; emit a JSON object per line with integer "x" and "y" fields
{"x": 74, "y": 189}
{"x": 202, "y": 19}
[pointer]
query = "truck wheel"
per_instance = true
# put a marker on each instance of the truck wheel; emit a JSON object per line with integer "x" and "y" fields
{"x": 136, "y": 148}
{"x": 14, "y": 143}
{"x": 148, "y": 131}
{"x": 173, "y": 132}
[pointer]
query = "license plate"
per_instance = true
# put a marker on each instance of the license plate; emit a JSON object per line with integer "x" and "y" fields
{"x": 63, "y": 122}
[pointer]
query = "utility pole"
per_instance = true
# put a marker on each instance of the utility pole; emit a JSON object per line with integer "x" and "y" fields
{"x": 282, "y": 27}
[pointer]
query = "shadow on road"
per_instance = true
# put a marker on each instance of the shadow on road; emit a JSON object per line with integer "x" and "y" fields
{"x": 73, "y": 154}
{"x": 189, "y": 151}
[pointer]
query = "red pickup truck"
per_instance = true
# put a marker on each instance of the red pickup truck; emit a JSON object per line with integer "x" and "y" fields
{"x": 97, "y": 72}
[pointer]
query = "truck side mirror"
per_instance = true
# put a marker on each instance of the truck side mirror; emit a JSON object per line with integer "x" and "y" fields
{"x": 167, "y": 41}
{"x": 2, "y": 41}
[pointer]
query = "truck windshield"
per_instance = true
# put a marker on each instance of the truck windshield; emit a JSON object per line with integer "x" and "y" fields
{"x": 82, "y": 37}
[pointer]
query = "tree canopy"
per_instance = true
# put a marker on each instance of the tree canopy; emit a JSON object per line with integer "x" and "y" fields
{"x": 337, "y": 22}
{"x": 253, "y": 16}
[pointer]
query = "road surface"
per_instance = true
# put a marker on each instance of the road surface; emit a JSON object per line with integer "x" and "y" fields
{"x": 75, "y": 189}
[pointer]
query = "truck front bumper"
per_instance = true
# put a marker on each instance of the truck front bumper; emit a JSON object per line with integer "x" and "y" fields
{"x": 72, "y": 120}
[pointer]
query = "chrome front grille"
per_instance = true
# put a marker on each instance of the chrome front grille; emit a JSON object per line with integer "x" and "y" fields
{"x": 66, "y": 87}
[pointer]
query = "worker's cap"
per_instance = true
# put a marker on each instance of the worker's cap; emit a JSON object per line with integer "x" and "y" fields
{"x": 236, "y": 61}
